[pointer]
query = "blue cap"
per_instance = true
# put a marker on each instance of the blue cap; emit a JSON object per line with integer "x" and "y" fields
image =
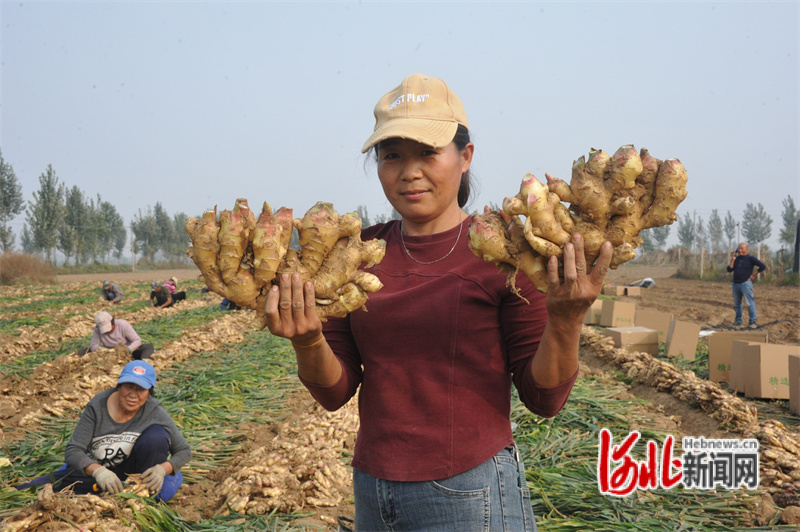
{"x": 138, "y": 372}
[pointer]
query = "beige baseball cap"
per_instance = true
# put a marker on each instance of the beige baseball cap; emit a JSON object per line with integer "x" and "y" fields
{"x": 421, "y": 108}
{"x": 103, "y": 322}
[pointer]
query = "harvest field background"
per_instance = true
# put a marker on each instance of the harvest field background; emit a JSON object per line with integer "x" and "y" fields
{"x": 266, "y": 458}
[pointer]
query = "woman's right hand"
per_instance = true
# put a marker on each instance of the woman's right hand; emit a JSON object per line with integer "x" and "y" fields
{"x": 107, "y": 480}
{"x": 291, "y": 312}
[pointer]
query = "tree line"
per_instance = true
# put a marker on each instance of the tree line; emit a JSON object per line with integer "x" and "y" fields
{"x": 82, "y": 228}
{"x": 86, "y": 229}
{"x": 724, "y": 234}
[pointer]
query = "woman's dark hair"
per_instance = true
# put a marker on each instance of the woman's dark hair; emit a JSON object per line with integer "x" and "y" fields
{"x": 461, "y": 139}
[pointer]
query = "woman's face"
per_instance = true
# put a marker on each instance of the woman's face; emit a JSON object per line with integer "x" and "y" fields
{"x": 422, "y": 182}
{"x": 132, "y": 397}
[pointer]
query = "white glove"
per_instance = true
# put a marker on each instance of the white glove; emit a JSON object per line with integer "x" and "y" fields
{"x": 107, "y": 480}
{"x": 154, "y": 478}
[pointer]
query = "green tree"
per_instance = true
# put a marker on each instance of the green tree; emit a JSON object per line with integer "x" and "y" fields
{"x": 789, "y": 216}
{"x": 756, "y": 224}
{"x": 120, "y": 237}
{"x": 362, "y": 212}
{"x": 94, "y": 231}
{"x": 715, "y": 231}
{"x": 729, "y": 227}
{"x": 146, "y": 234}
{"x": 45, "y": 212}
{"x": 383, "y": 218}
{"x": 700, "y": 234}
{"x": 113, "y": 234}
{"x": 180, "y": 240}
{"x": 172, "y": 239}
{"x": 660, "y": 236}
{"x": 26, "y": 240}
{"x": 71, "y": 232}
{"x": 686, "y": 231}
{"x": 11, "y": 203}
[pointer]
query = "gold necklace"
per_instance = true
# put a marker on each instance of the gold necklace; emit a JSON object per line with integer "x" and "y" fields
{"x": 402, "y": 240}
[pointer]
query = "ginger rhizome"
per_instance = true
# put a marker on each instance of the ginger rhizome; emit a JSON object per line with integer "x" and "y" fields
{"x": 240, "y": 256}
{"x": 611, "y": 198}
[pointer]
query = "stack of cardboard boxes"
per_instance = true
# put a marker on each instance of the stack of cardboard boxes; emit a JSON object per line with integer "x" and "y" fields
{"x": 642, "y": 330}
{"x": 752, "y": 366}
{"x": 743, "y": 359}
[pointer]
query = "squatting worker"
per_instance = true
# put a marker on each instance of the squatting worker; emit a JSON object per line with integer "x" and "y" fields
{"x": 123, "y": 430}
{"x": 443, "y": 340}
{"x": 160, "y": 296}
{"x": 112, "y": 292}
{"x": 172, "y": 286}
{"x": 110, "y": 333}
{"x": 743, "y": 265}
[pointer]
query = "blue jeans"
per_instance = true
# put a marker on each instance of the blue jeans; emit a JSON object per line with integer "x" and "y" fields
{"x": 491, "y": 496}
{"x": 745, "y": 290}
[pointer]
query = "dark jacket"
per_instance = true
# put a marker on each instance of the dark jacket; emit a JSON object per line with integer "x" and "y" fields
{"x": 743, "y": 267}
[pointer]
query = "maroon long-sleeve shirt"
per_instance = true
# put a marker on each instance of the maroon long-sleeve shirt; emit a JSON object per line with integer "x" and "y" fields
{"x": 435, "y": 354}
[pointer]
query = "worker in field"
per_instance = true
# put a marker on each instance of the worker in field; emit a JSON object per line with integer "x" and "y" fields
{"x": 112, "y": 292}
{"x": 123, "y": 431}
{"x": 111, "y": 333}
{"x": 172, "y": 286}
{"x": 743, "y": 265}
{"x": 160, "y": 296}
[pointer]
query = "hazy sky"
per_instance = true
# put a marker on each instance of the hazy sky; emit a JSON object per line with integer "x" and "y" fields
{"x": 195, "y": 104}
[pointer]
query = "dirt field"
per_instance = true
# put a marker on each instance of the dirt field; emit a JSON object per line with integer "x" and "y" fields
{"x": 710, "y": 304}
{"x": 144, "y": 275}
{"x": 705, "y": 303}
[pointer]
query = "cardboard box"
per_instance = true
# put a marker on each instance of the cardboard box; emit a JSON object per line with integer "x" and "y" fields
{"x": 633, "y": 291}
{"x": 653, "y": 319}
{"x": 794, "y": 384}
{"x": 593, "y": 314}
{"x": 719, "y": 351}
{"x": 766, "y": 370}
{"x": 737, "y": 365}
{"x": 634, "y": 338}
{"x": 682, "y": 339}
{"x": 613, "y": 291}
{"x": 617, "y": 314}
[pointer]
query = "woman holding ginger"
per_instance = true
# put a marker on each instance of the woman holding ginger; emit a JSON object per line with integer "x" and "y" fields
{"x": 443, "y": 340}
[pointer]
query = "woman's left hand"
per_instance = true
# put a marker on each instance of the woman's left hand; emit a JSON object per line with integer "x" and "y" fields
{"x": 571, "y": 298}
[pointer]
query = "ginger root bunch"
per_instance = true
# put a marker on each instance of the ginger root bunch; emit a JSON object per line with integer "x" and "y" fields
{"x": 240, "y": 256}
{"x": 611, "y": 197}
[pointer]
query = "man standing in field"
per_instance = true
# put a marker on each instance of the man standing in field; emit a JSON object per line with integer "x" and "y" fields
{"x": 742, "y": 265}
